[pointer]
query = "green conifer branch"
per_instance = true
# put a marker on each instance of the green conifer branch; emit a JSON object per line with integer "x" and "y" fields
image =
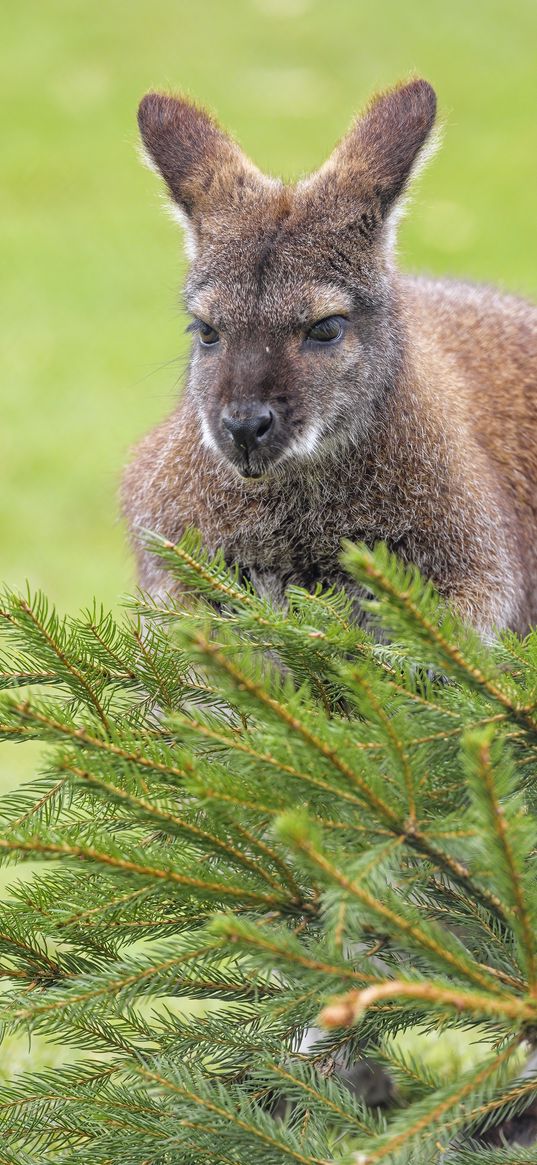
{"x": 357, "y": 827}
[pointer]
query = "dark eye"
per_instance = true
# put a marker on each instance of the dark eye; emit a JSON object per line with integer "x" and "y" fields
{"x": 207, "y": 334}
{"x": 326, "y": 331}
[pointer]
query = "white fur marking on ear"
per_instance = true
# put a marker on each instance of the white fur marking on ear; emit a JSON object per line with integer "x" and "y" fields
{"x": 178, "y": 215}
{"x": 429, "y": 148}
{"x": 402, "y": 204}
{"x": 171, "y": 208}
{"x": 146, "y": 159}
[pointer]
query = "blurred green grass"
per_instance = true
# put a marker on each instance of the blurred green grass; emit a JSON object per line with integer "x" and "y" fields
{"x": 93, "y": 336}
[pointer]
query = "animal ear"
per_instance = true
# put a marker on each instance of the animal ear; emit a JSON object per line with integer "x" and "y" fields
{"x": 200, "y": 164}
{"x": 381, "y": 150}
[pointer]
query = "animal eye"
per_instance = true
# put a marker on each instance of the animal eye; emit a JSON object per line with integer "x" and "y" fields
{"x": 326, "y": 331}
{"x": 207, "y": 334}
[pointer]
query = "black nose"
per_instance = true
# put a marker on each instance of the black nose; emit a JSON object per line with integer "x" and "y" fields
{"x": 249, "y": 429}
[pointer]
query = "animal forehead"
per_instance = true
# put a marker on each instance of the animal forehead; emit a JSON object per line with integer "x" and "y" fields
{"x": 239, "y": 298}
{"x": 269, "y": 275}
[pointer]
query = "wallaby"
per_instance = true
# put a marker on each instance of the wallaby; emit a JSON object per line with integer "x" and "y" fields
{"x": 328, "y": 395}
{"x": 331, "y": 397}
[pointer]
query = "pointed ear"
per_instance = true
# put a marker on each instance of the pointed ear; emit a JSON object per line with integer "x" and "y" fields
{"x": 383, "y": 147}
{"x": 201, "y": 165}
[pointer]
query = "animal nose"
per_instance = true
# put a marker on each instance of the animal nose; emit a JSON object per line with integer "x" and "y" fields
{"x": 249, "y": 429}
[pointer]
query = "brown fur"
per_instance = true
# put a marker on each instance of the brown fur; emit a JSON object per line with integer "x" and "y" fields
{"x": 419, "y": 427}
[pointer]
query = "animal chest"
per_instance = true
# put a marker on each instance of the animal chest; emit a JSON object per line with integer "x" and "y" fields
{"x": 297, "y": 541}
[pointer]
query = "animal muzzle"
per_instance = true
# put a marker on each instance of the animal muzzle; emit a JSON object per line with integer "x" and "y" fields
{"x": 249, "y": 428}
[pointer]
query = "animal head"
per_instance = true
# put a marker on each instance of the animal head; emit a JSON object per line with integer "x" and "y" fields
{"x": 291, "y": 287}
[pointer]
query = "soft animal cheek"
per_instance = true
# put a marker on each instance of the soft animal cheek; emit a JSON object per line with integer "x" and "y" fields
{"x": 348, "y": 354}
{"x": 207, "y": 386}
{"x": 322, "y": 382}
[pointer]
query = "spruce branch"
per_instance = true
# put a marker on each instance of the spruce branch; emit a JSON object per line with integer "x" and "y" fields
{"x": 278, "y": 812}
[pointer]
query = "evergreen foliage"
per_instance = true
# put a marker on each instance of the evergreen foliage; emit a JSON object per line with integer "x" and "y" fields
{"x": 249, "y": 822}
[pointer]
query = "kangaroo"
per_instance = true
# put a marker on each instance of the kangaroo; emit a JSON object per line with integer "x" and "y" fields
{"x": 328, "y": 395}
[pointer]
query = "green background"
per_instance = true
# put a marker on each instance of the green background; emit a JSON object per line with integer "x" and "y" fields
{"x": 93, "y": 346}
